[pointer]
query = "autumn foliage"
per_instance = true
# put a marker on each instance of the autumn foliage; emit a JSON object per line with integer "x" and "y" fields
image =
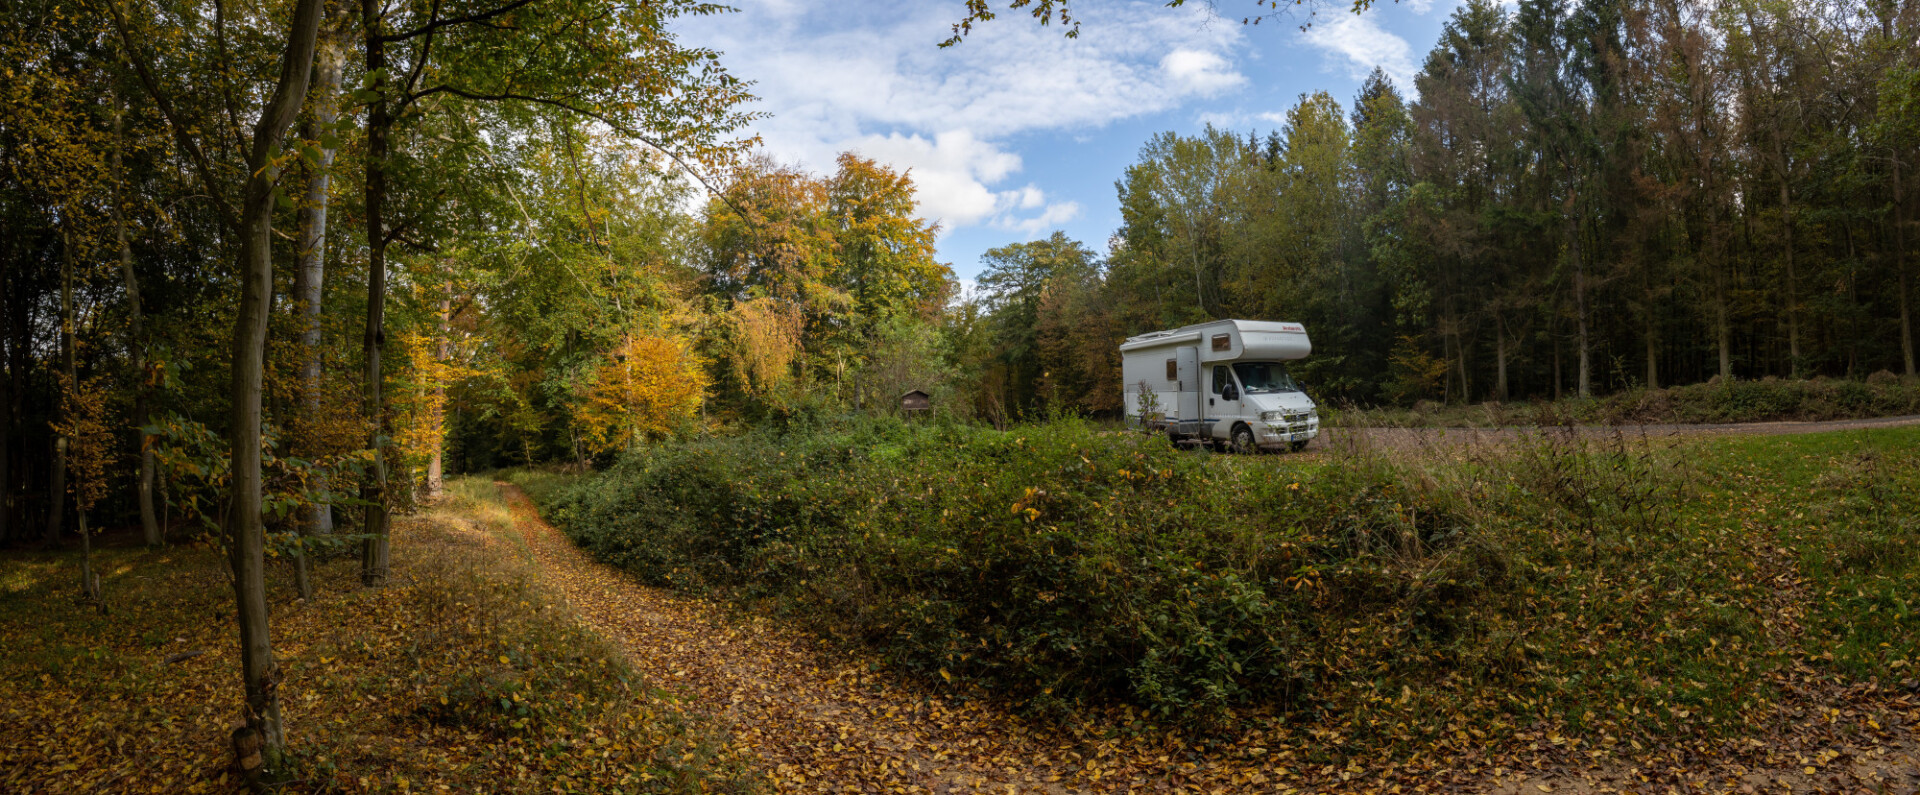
{"x": 650, "y": 387}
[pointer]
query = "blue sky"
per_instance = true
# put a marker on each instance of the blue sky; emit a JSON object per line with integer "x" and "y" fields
{"x": 1019, "y": 131}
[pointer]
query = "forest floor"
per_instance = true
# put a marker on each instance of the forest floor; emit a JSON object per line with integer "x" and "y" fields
{"x": 463, "y": 674}
{"x": 825, "y": 719}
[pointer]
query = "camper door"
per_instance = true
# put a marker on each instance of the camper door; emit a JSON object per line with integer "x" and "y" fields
{"x": 1187, "y": 405}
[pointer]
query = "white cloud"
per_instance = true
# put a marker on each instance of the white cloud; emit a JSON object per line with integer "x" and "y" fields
{"x": 866, "y": 76}
{"x": 1203, "y": 71}
{"x": 1364, "y": 45}
{"x": 1057, "y": 213}
{"x": 1031, "y": 197}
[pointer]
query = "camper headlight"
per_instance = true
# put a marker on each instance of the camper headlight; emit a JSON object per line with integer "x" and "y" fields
{"x": 1273, "y": 417}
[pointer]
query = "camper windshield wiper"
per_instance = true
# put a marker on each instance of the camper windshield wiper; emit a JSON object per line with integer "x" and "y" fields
{"x": 1264, "y": 378}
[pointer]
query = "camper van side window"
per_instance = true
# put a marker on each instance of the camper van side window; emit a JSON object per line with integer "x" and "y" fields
{"x": 1173, "y": 369}
{"x": 1222, "y": 342}
{"x": 1220, "y": 378}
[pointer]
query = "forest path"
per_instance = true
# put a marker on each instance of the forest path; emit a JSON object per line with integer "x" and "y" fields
{"x": 1397, "y": 438}
{"x": 822, "y": 722}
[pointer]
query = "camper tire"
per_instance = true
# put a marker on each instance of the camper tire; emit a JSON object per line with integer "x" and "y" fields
{"x": 1243, "y": 441}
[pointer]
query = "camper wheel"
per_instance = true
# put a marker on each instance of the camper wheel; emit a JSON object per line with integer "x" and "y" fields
{"x": 1243, "y": 439}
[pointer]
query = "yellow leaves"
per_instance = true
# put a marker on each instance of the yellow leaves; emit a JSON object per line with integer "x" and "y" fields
{"x": 89, "y": 443}
{"x": 770, "y": 338}
{"x": 420, "y": 428}
{"x": 650, "y": 386}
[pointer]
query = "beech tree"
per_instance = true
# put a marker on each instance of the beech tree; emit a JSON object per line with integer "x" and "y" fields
{"x": 247, "y": 209}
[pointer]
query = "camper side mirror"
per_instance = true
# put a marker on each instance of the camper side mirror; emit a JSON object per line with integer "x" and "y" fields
{"x": 1230, "y": 392}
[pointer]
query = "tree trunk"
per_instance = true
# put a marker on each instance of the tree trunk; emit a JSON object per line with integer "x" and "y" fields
{"x": 309, "y": 276}
{"x": 1580, "y": 314}
{"x": 261, "y": 741}
{"x": 137, "y": 345}
{"x": 57, "y": 492}
{"x": 435, "y": 482}
{"x": 1653, "y": 349}
{"x": 1460, "y": 360}
{"x": 374, "y": 553}
{"x": 1722, "y": 314}
{"x": 89, "y": 581}
{"x": 89, "y": 585}
{"x": 309, "y": 279}
{"x": 57, "y": 509}
{"x": 9, "y": 373}
{"x": 6, "y": 452}
{"x": 1500, "y": 357}
{"x": 1793, "y": 289}
{"x": 1900, "y": 265}
{"x": 1559, "y": 378}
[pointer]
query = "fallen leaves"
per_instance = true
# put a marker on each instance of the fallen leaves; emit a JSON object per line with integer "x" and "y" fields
{"x": 406, "y": 688}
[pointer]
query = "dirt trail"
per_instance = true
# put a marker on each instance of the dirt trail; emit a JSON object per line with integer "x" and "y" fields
{"x": 826, "y": 722}
{"x": 1402, "y": 438}
{"x": 822, "y": 724}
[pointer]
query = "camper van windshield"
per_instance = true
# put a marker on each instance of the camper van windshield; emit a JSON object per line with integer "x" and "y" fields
{"x": 1265, "y": 378}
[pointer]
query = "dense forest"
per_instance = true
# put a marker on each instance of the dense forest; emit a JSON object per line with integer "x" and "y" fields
{"x": 1572, "y": 198}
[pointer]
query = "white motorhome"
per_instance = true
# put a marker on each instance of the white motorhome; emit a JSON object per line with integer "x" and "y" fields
{"x": 1223, "y": 382}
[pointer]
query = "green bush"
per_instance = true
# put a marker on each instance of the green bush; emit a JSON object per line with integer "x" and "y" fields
{"x": 1059, "y": 560}
{"x": 1577, "y": 577}
{"x": 1063, "y": 562}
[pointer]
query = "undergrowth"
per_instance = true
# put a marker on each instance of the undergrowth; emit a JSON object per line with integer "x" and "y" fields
{"x": 1592, "y": 582}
